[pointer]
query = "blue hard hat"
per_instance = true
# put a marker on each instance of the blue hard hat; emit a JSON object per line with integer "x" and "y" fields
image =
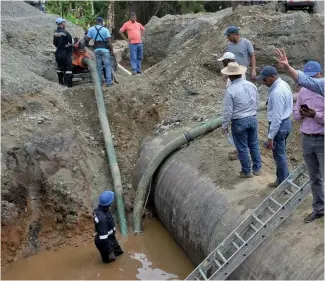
{"x": 59, "y": 20}
{"x": 266, "y": 72}
{"x": 311, "y": 68}
{"x": 106, "y": 198}
{"x": 99, "y": 19}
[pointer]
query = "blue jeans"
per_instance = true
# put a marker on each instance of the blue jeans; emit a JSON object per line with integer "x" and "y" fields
{"x": 136, "y": 56}
{"x": 279, "y": 150}
{"x": 244, "y": 133}
{"x": 104, "y": 57}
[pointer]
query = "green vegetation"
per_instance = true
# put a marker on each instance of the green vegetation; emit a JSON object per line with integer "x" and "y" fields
{"x": 83, "y": 13}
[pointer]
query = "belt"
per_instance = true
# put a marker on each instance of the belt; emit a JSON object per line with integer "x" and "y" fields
{"x": 282, "y": 120}
{"x": 244, "y": 117}
{"x": 313, "y": 135}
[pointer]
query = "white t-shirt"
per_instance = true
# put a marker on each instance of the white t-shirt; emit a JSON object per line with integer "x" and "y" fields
{"x": 229, "y": 82}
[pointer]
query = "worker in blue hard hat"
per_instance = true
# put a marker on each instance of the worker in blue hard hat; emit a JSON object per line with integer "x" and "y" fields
{"x": 105, "y": 239}
{"x": 62, "y": 40}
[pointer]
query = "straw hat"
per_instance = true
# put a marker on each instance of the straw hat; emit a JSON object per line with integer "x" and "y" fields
{"x": 233, "y": 68}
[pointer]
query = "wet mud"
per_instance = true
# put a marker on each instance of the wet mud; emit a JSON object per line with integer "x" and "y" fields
{"x": 153, "y": 255}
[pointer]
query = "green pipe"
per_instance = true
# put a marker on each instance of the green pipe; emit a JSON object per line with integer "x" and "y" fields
{"x": 115, "y": 171}
{"x": 161, "y": 156}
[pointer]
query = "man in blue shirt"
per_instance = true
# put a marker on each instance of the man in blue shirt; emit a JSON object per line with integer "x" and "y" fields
{"x": 279, "y": 110}
{"x": 103, "y": 49}
{"x": 314, "y": 84}
{"x": 240, "y": 107}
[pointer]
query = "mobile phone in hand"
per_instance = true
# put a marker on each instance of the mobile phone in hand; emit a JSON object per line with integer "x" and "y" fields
{"x": 304, "y": 106}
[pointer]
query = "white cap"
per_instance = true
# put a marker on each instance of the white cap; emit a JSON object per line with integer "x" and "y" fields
{"x": 227, "y": 55}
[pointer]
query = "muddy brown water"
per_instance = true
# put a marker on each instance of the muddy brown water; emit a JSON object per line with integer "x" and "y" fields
{"x": 153, "y": 255}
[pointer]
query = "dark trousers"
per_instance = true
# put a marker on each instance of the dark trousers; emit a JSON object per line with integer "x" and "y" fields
{"x": 313, "y": 151}
{"x": 106, "y": 246}
{"x": 64, "y": 67}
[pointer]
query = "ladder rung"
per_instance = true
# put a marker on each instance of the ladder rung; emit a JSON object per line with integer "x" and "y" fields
{"x": 275, "y": 202}
{"x": 241, "y": 239}
{"x": 293, "y": 184}
{"x": 252, "y": 226}
{"x": 217, "y": 263}
{"x": 213, "y": 270}
{"x": 221, "y": 256}
{"x": 271, "y": 210}
{"x": 202, "y": 274}
{"x": 257, "y": 219}
{"x": 237, "y": 247}
{"x": 288, "y": 192}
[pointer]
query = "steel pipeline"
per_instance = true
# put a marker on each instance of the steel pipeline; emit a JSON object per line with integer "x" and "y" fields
{"x": 160, "y": 156}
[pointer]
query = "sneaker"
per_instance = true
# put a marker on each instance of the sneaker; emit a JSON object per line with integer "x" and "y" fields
{"x": 139, "y": 72}
{"x": 273, "y": 184}
{"x": 242, "y": 175}
{"x": 134, "y": 73}
{"x": 313, "y": 216}
{"x": 257, "y": 173}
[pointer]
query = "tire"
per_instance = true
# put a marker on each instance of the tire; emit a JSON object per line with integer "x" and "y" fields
{"x": 282, "y": 7}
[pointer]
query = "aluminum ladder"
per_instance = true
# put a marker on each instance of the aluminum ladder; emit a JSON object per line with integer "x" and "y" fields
{"x": 253, "y": 230}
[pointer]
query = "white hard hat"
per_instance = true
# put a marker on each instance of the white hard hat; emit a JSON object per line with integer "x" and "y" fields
{"x": 226, "y": 55}
{"x": 59, "y": 20}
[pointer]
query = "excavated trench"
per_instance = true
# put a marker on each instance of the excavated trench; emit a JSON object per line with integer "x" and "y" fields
{"x": 52, "y": 234}
{"x": 195, "y": 195}
{"x": 200, "y": 200}
{"x": 54, "y": 165}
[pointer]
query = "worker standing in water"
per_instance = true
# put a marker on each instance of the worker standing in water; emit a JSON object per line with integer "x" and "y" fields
{"x": 62, "y": 40}
{"x": 105, "y": 239}
{"x": 135, "y": 31}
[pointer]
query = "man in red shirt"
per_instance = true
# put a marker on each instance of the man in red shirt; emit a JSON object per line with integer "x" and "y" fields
{"x": 135, "y": 31}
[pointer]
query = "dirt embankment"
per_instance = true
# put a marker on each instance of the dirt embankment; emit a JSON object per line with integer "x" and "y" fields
{"x": 54, "y": 163}
{"x": 53, "y": 155}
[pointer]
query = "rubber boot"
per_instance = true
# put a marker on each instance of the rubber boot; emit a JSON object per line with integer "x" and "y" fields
{"x": 60, "y": 78}
{"x": 68, "y": 79}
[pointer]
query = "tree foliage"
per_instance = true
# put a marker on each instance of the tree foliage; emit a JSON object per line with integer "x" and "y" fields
{"x": 84, "y": 13}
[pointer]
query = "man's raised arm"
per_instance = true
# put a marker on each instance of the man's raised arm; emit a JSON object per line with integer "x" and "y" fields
{"x": 314, "y": 84}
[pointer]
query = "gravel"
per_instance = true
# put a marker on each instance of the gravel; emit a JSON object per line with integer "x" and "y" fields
{"x": 27, "y": 50}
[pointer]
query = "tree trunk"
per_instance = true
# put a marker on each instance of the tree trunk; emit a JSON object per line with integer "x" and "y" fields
{"x": 92, "y": 8}
{"x": 111, "y": 16}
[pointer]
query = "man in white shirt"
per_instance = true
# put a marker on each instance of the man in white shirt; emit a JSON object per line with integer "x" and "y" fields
{"x": 227, "y": 58}
{"x": 279, "y": 110}
{"x": 240, "y": 107}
